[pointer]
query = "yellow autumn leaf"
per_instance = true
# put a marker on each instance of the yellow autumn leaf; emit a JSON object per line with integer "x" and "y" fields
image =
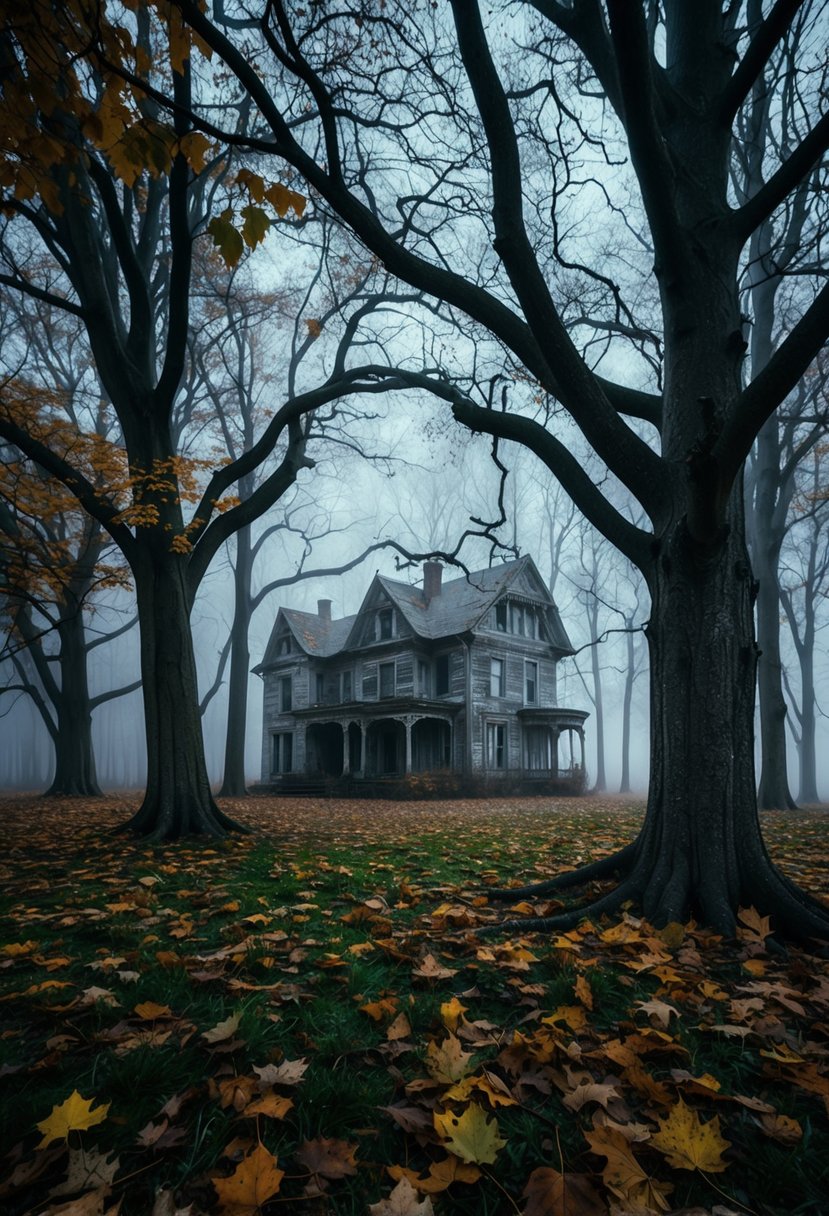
{"x": 451, "y": 1013}
{"x": 472, "y": 1135}
{"x": 251, "y": 1184}
{"x": 74, "y": 1115}
{"x": 689, "y": 1144}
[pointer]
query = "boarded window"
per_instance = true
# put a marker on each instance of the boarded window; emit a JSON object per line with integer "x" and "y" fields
{"x": 387, "y": 679}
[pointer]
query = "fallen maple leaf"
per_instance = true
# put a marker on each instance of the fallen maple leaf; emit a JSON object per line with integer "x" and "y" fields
{"x": 440, "y": 1176}
{"x": 447, "y": 1061}
{"x": 689, "y": 1144}
{"x": 623, "y": 1175}
{"x": 472, "y": 1135}
{"x": 73, "y": 1115}
{"x": 148, "y": 1011}
{"x": 328, "y": 1158}
{"x": 272, "y": 1104}
{"x": 87, "y": 1169}
{"x": 549, "y": 1193}
{"x": 289, "y": 1072}
{"x": 253, "y": 1182}
{"x": 431, "y": 969}
{"x": 451, "y": 1013}
{"x": 403, "y": 1201}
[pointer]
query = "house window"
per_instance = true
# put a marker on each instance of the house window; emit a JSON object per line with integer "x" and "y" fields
{"x": 282, "y": 753}
{"x": 319, "y": 694}
{"x": 496, "y": 745}
{"x": 286, "y": 699}
{"x": 497, "y": 678}
{"x": 423, "y": 681}
{"x": 501, "y": 616}
{"x": 385, "y": 623}
{"x": 530, "y": 682}
{"x": 283, "y": 644}
{"x": 441, "y": 675}
{"x": 387, "y": 679}
{"x": 346, "y": 691}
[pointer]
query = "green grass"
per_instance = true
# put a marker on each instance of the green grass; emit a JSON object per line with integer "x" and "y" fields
{"x": 294, "y": 929}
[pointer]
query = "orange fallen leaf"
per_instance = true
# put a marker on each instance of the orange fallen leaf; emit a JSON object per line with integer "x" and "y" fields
{"x": 440, "y": 1176}
{"x": 251, "y": 1184}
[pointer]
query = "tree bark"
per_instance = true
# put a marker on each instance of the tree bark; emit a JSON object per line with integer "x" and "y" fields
{"x": 178, "y": 800}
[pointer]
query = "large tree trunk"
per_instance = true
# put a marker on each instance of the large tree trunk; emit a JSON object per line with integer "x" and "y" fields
{"x": 75, "y": 774}
{"x": 233, "y": 783}
{"x": 178, "y": 801}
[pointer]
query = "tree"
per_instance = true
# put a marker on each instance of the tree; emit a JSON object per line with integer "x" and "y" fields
{"x": 459, "y": 166}
{"x": 782, "y": 243}
{"x": 104, "y": 201}
{"x": 55, "y": 560}
{"x": 804, "y": 570}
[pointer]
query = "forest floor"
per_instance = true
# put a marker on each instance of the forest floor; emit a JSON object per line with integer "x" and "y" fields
{"x": 304, "y": 1020}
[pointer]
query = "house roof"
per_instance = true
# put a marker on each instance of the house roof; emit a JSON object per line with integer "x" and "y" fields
{"x": 456, "y": 609}
{"x": 317, "y": 634}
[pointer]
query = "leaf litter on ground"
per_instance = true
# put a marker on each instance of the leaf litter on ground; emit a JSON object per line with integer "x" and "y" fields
{"x": 308, "y": 1016}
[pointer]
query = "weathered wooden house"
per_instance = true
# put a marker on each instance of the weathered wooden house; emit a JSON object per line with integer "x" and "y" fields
{"x": 458, "y": 677}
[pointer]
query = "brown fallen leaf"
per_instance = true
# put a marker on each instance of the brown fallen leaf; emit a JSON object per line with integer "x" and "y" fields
{"x": 549, "y": 1193}
{"x": 400, "y": 1028}
{"x": 270, "y": 1104}
{"x": 440, "y": 1176}
{"x": 87, "y": 1170}
{"x": 328, "y": 1158}
{"x": 403, "y": 1201}
{"x": 289, "y": 1072}
{"x": 623, "y": 1175}
{"x": 430, "y": 969}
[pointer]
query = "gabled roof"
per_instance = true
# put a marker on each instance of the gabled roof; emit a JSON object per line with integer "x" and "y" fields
{"x": 458, "y": 608}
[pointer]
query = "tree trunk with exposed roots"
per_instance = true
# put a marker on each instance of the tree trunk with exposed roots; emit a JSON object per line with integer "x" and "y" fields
{"x": 178, "y": 799}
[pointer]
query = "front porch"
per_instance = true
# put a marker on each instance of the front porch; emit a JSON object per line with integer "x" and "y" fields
{"x": 367, "y": 741}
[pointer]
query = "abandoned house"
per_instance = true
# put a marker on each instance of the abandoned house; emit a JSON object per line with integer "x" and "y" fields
{"x": 456, "y": 676}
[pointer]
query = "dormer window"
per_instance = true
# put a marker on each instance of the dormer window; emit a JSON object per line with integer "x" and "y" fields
{"x": 283, "y": 645}
{"x": 385, "y": 623}
{"x": 501, "y": 616}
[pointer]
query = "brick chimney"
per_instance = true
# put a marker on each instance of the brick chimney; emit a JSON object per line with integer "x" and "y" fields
{"x": 432, "y": 574}
{"x": 324, "y": 609}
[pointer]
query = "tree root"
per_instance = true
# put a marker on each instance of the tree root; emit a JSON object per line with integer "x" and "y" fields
{"x": 564, "y": 921}
{"x": 158, "y": 823}
{"x": 620, "y": 862}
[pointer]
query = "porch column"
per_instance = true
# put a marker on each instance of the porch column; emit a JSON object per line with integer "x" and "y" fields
{"x": 581, "y": 742}
{"x": 346, "y": 750}
{"x": 363, "y": 749}
{"x": 407, "y": 723}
